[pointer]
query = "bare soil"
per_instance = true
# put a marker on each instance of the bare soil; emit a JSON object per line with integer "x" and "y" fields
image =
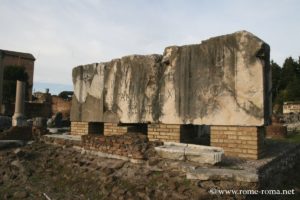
{"x": 39, "y": 170}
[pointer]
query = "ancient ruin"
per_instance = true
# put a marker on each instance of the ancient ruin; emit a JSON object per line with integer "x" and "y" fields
{"x": 18, "y": 117}
{"x": 223, "y": 82}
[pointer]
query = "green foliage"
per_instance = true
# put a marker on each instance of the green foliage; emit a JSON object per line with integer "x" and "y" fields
{"x": 286, "y": 81}
{"x": 276, "y": 73}
{"x": 66, "y": 95}
{"x": 10, "y": 75}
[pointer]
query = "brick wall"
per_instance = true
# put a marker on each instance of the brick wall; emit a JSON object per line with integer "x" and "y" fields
{"x": 164, "y": 132}
{"x": 114, "y": 129}
{"x": 244, "y": 142}
{"x": 84, "y": 128}
{"x": 131, "y": 145}
{"x": 60, "y": 105}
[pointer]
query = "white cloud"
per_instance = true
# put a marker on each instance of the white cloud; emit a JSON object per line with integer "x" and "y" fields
{"x": 63, "y": 34}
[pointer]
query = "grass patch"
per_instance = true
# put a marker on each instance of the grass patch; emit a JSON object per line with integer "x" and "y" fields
{"x": 293, "y": 138}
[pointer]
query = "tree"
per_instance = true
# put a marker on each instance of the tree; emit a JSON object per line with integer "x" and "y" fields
{"x": 66, "y": 95}
{"x": 276, "y": 78}
{"x": 286, "y": 81}
{"x": 289, "y": 70}
{"x": 11, "y": 74}
{"x": 293, "y": 90}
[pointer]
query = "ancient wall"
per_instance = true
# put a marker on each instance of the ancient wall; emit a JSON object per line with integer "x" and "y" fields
{"x": 225, "y": 80}
{"x": 58, "y": 104}
{"x": 19, "y": 61}
{"x": 129, "y": 145}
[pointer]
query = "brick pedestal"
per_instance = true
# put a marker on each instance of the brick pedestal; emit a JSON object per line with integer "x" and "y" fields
{"x": 84, "y": 128}
{"x": 243, "y": 142}
{"x": 164, "y": 132}
{"x": 114, "y": 129}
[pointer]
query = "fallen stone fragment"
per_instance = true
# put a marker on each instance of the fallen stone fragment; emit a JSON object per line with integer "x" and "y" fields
{"x": 11, "y": 143}
{"x": 222, "y": 174}
{"x": 189, "y": 152}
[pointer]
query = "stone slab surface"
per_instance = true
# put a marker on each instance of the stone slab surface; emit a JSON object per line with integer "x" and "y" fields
{"x": 194, "y": 153}
{"x": 222, "y": 174}
{"x": 224, "y": 80}
{"x": 11, "y": 143}
{"x": 65, "y": 137}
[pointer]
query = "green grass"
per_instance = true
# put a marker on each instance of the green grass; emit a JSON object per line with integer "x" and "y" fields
{"x": 294, "y": 138}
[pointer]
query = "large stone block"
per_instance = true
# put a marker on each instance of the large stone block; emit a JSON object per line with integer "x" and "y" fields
{"x": 189, "y": 152}
{"x": 225, "y": 80}
{"x": 87, "y": 101}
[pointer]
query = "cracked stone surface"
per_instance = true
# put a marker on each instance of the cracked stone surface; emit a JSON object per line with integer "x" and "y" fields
{"x": 225, "y": 80}
{"x": 189, "y": 152}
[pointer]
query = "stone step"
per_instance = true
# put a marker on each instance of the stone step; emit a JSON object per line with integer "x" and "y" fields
{"x": 190, "y": 152}
{"x": 222, "y": 174}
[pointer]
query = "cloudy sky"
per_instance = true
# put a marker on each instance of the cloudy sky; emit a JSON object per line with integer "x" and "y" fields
{"x": 62, "y": 34}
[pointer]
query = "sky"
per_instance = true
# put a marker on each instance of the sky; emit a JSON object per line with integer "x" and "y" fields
{"x": 63, "y": 34}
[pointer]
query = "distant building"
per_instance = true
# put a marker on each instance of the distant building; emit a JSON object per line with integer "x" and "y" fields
{"x": 9, "y": 58}
{"x": 291, "y": 107}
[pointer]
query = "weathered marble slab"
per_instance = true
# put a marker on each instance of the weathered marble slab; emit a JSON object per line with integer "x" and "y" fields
{"x": 225, "y": 80}
{"x": 131, "y": 88}
{"x": 87, "y": 101}
{"x": 222, "y": 81}
{"x": 189, "y": 152}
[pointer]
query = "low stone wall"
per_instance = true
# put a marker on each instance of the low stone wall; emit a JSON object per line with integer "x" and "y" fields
{"x": 164, "y": 132}
{"x": 243, "y": 142}
{"x": 62, "y": 140}
{"x": 129, "y": 145}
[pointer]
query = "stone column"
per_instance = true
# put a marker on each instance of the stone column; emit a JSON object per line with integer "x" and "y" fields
{"x": 18, "y": 117}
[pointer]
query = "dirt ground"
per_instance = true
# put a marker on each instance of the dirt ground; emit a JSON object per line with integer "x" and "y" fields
{"x": 41, "y": 171}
